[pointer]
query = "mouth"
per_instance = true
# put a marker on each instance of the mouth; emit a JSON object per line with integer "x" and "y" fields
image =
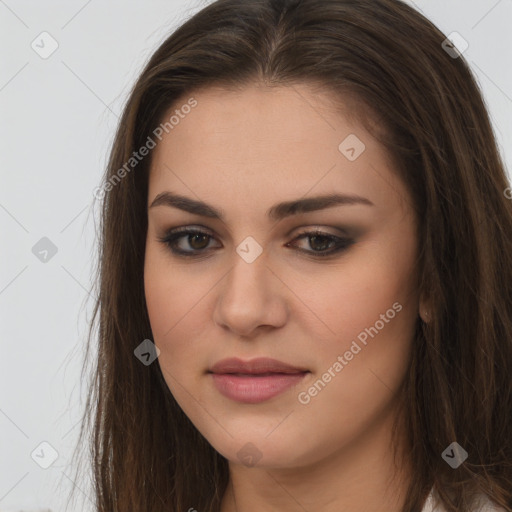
{"x": 258, "y": 366}
{"x": 254, "y": 381}
{"x": 255, "y": 374}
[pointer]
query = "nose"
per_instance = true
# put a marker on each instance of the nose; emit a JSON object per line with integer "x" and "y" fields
{"x": 250, "y": 296}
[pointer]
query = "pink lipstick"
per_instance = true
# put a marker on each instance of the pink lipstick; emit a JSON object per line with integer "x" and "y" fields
{"x": 256, "y": 380}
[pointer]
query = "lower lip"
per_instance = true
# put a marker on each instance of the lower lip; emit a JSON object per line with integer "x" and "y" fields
{"x": 251, "y": 389}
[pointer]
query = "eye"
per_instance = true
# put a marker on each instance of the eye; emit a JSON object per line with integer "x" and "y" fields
{"x": 195, "y": 238}
{"x": 322, "y": 244}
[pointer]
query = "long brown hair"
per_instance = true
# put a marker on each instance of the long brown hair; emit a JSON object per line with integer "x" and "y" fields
{"x": 388, "y": 62}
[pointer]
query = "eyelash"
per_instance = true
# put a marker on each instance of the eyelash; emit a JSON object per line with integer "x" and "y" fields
{"x": 171, "y": 238}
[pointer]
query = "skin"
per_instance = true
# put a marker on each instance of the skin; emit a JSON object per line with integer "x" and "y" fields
{"x": 243, "y": 152}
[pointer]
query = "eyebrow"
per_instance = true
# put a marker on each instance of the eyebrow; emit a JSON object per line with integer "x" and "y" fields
{"x": 277, "y": 212}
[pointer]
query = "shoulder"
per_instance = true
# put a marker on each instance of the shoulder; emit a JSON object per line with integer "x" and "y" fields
{"x": 484, "y": 505}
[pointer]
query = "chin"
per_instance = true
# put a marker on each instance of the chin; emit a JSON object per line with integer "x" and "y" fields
{"x": 260, "y": 450}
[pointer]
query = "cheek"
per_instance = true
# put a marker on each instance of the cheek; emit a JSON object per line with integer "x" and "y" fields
{"x": 354, "y": 296}
{"x": 171, "y": 295}
{"x": 169, "y": 334}
{"x": 370, "y": 307}
{"x": 346, "y": 396}
{"x": 179, "y": 315}
{"x": 170, "y": 302}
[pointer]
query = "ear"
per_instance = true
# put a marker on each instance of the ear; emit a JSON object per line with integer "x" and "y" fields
{"x": 425, "y": 310}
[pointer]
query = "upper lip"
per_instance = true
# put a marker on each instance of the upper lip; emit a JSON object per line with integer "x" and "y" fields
{"x": 254, "y": 366}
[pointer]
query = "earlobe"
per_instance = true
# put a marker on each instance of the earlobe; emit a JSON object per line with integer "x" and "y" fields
{"x": 424, "y": 311}
{"x": 425, "y": 316}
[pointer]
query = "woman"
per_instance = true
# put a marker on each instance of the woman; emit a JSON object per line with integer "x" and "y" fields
{"x": 305, "y": 295}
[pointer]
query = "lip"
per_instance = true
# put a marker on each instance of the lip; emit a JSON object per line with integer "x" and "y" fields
{"x": 254, "y": 366}
{"x": 256, "y": 380}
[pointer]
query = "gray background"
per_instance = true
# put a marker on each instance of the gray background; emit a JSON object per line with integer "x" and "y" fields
{"x": 58, "y": 119}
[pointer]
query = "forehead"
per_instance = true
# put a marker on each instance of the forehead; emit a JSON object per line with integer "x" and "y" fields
{"x": 260, "y": 114}
{"x": 262, "y": 141}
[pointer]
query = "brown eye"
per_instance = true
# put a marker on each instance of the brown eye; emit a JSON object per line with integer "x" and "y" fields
{"x": 196, "y": 240}
{"x": 321, "y": 243}
{"x": 324, "y": 244}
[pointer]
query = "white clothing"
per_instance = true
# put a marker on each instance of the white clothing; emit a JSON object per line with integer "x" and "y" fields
{"x": 484, "y": 505}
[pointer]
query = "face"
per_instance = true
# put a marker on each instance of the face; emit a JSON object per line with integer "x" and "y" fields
{"x": 326, "y": 287}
